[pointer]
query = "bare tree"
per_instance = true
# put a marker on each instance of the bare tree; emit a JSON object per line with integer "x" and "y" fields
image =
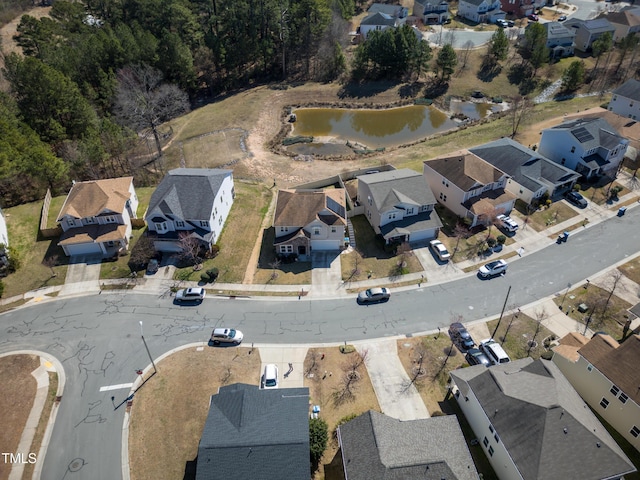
{"x": 489, "y": 216}
{"x": 468, "y": 45}
{"x": 614, "y": 280}
{"x": 191, "y": 248}
{"x": 144, "y": 101}
{"x": 275, "y": 265}
{"x": 520, "y": 108}
{"x": 460, "y": 231}
{"x": 51, "y": 262}
{"x": 541, "y": 315}
{"x": 419, "y": 357}
{"x": 350, "y": 377}
{"x": 512, "y": 318}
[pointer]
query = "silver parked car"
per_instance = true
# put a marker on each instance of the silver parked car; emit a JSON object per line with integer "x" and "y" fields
{"x": 491, "y": 269}
{"x": 374, "y": 295}
{"x": 194, "y": 294}
{"x": 439, "y": 250}
{"x": 226, "y": 335}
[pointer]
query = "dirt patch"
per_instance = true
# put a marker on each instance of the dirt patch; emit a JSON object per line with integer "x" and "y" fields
{"x": 170, "y": 410}
{"x": 18, "y": 393}
{"x": 326, "y": 371}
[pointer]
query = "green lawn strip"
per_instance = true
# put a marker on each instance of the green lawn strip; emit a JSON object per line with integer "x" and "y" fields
{"x": 10, "y": 306}
{"x": 546, "y": 217}
{"x": 610, "y": 319}
{"x": 238, "y": 236}
{"x": 519, "y": 330}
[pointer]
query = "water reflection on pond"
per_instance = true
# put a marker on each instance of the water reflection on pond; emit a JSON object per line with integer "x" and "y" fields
{"x": 374, "y": 128}
{"x": 474, "y": 110}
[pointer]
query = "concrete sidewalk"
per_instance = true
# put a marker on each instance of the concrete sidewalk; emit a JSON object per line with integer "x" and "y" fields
{"x": 397, "y": 397}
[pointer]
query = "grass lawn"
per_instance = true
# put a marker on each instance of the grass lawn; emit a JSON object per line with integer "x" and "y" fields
{"x": 543, "y": 218}
{"x": 325, "y": 377}
{"x": 595, "y": 298}
{"x": 371, "y": 260}
{"x": 120, "y": 267}
{"x": 273, "y": 272}
{"x": 170, "y": 410}
{"x": 238, "y": 236}
{"x": 631, "y": 269}
{"x": 517, "y": 330}
{"x": 598, "y": 193}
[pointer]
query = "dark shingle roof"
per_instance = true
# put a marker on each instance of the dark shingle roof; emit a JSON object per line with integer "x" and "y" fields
{"x": 466, "y": 170}
{"x": 546, "y": 427}
{"x": 592, "y": 132}
{"x": 254, "y": 433}
{"x": 629, "y": 89}
{"x": 379, "y": 18}
{"x": 375, "y": 446}
{"x": 390, "y": 188}
{"x": 528, "y": 168}
{"x": 188, "y": 193}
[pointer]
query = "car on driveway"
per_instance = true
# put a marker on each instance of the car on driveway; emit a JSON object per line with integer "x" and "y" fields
{"x": 460, "y": 336}
{"x": 562, "y": 18}
{"x": 494, "y": 351}
{"x": 476, "y": 356}
{"x": 576, "y": 199}
{"x": 502, "y": 23}
{"x": 439, "y": 250}
{"x": 511, "y": 23}
{"x": 533, "y": 17}
{"x": 374, "y": 295}
{"x": 270, "y": 379}
{"x": 491, "y": 269}
{"x": 194, "y": 294}
{"x": 507, "y": 223}
{"x": 152, "y": 266}
{"x": 227, "y": 336}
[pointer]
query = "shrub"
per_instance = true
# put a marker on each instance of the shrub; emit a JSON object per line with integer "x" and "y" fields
{"x": 205, "y": 277}
{"x": 318, "y": 437}
{"x": 491, "y": 242}
{"x": 215, "y": 250}
{"x": 212, "y": 274}
{"x": 501, "y": 239}
{"x": 141, "y": 253}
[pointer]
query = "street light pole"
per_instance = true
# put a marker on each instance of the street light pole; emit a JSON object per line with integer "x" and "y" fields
{"x": 147, "y": 348}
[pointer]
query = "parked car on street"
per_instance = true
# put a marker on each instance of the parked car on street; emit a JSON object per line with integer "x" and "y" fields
{"x": 507, "y": 223}
{"x": 460, "y": 336}
{"x": 576, "y": 199}
{"x": 374, "y": 295}
{"x": 439, "y": 250}
{"x": 491, "y": 269}
{"x": 226, "y": 335}
{"x": 476, "y": 356}
{"x": 194, "y": 294}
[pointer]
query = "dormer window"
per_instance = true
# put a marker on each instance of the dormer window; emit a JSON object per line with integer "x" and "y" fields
{"x": 204, "y": 223}
{"x": 161, "y": 227}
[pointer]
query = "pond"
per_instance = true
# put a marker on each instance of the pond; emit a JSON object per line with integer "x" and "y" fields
{"x": 474, "y": 110}
{"x": 373, "y": 128}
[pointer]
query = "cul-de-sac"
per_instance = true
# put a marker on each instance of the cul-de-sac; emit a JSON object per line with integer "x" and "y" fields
{"x": 319, "y": 239}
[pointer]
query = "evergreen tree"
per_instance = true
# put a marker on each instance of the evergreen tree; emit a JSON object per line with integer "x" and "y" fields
{"x": 573, "y": 76}
{"x": 446, "y": 62}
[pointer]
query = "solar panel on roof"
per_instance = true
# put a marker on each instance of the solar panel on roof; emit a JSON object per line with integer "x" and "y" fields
{"x": 335, "y": 207}
{"x": 582, "y": 134}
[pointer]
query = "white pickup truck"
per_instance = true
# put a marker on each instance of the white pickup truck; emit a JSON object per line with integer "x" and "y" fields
{"x": 507, "y": 223}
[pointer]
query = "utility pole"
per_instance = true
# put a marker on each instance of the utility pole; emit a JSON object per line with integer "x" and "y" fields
{"x": 501, "y": 313}
{"x": 147, "y": 348}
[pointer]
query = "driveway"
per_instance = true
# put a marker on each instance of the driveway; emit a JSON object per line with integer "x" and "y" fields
{"x": 83, "y": 275}
{"x": 326, "y": 273}
{"x": 290, "y": 362}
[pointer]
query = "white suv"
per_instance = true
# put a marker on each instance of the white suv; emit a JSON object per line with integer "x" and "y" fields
{"x": 194, "y": 294}
{"x": 507, "y": 223}
{"x": 226, "y": 335}
{"x": 494, "y": 351}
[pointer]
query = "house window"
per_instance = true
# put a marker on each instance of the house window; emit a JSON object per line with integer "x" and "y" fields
{"x": 179, "y": 224}
{"x": 604, "y": 403}
{"x": 219, "y": 220}
{"x": 485, "y": 441}
{"x": 614, "y": 390}
{"x": 589, "y": 367}
{"x": 573, "y": 149}
{"x": 110, "y": 219}
{"x": 316, "y": 230}
{"x": 334, "y": 229}
{"x": 284, "y": 229}
{"x": 495, "y": 435}
{"x": 409, "y": 211}
{"x": 286, "y": 248}
{"x": 445, "y": 182}
{"x": 369, "y": 199}
{"x": 635, "y": 431}
{"x": 491, "y": 428}
{"x": 491, "y": 451}
{"x": 70, "y": 222}
{"x": 623, "y": 398}
{"x": 204, "y": 223}
{"x": 89, "y": 220}
{"x": 161, "y": 227}
{"x": 392, "y": 216}
{"x": 562, "y": 162}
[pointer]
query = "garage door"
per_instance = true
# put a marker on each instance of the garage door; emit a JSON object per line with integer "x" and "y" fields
{"x": 322, "y": 245}
{"x": 423, "y": 235}
{"x": 82, "y": 249}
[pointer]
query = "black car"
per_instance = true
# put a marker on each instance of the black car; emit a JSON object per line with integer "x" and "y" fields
{"x": 577, "y": 199}
{"x": 477, "y": 357}
{"x": 460, "y": 336}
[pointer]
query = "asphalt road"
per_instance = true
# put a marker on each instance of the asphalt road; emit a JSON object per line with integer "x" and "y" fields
{"x": 97, "y": 338}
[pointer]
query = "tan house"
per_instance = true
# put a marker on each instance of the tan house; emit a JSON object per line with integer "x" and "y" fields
{"x": 605, "y": 373}
{"x": 309, "y": 220}
{"x": 96, "y": 217}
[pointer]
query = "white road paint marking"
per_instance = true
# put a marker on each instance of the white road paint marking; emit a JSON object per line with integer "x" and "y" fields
{"x": 115, "y": 387}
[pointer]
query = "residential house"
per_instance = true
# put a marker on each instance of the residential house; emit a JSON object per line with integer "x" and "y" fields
{"x": 4, "y": 242}
{"x": 532, "y": 424}
{"x": 377, "y": 21}
{"x": 375, "y": 446}
{"x": 309, "y": 220}
{"x": 468, "y": 186}
{"x": 531, "y": 175}
{"x": 626, "y": 22}
{"x": 605, "y": 373}
{"x": 589, "y": 146}
{"x": 397, "y": 11}
{"x": 255, "y": 433}
{"x": 399, "y": 205}
{"x": 625, "y": 99}
{"x": 431, "y": 11}
{"x": 96, "y": 217}
{"x": 190, "y": 202}
{"x": 559, "y": 39}
{"x": 518, "y": 8}
{"x": 587, "y": 31}
{"x": 481, "y": 11}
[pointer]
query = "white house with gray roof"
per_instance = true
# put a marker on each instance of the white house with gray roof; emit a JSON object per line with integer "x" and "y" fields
{"x": 397, "y": 11}
{"x": 625, "y": 100}
{"x": 378, "y": 21}
{"x": 399, "y": 205}
{"x": 253, "y": 433}
{"x": 190, "y": 202}
{"x": 589, "y": 146}
{"x": 375, "y": 446}
{"x": 530, "y": 174}
{"x": 532, "y": 424}
{"x": 559, "y": 39}
{"x": 487, "y": 11}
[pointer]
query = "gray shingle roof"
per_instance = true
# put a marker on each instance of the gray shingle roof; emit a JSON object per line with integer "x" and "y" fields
{"x": 557, "y": 30}
{"x": 254, "y": 433}
{"x": 379, "y": 18}
{"x": 528, "y": 168}
{"x": 392, "y": 10}
{"x": 378, "y": 447}
{"x": 592, "y": 132}
{"x": 188, "y": 193}
{"x": 629, "y": 89}
{"x": 477, "y": 3}
{"x": 548, "y": 430}
{"x": 390, "y": 188}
